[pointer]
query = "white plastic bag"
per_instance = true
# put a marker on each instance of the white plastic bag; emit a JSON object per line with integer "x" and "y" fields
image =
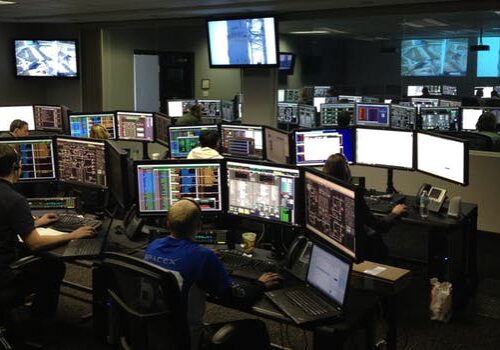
{"x": 441, "y": 300}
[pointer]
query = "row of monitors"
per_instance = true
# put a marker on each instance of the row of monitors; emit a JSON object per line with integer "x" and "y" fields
{"x": 38, "y": 117}
{"x": 437, "y": 90}
{"x": 220, "y": 109}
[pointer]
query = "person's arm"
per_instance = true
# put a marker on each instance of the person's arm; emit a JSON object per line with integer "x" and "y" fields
{"x": 382, "y": 224}
{"x": 34, "y": 241}
{"x": 46, "y": 219}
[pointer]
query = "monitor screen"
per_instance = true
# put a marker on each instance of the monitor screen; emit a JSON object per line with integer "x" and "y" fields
{"x": 443, "y": 157}
{"x": 10, "y": 113}
{"x": 228, "y": 114}
{"x": 162, "y": 123}
{"x": 372, "y": 114}
{"x": 403, "y": 117}
{"x": 440, "y": 118}
{"x": 351, "y": 99}
{"x": 488, "y": 62}
{"x": 288, "y": 113}
{"x": 414, "y": 90}
{"x": 82, "y": 162}
{"x": 470, "y": 117}
{"x": 424, "y": 102}
{"x": 262, "y": 191}
{"x": 46, "y": 58}
{"x": 322, "y": 91}
{"x": 331, "y": 211}
{"x": 162, "y": 183}
{"x": 313, "y": 147}
{"x": 434, "y": 57}
{"x": 449, "y": 103}
{"x": 80, "y": 124}
{"x": 243, "y": 42}
{"x": 291, "y": 95}
{"x": 37, "y": 158}
{"x": 136, "y": 126}
{"x": 449, "y": 90}
{"x": 281, "y": 95}
{"x": 307, "y": 116}
{"x": 48, "y": 118}
{"x": 287, "y": 62}
{"x": 318, "y": 101}
{"x": 385, "y": 148}
{"x": 329, "y": 112}
{"x": 277, "y": 145}
{"x": 210, "y": 108}
{"x": 184, "y": 138}
{"x": 176, "y": 108}
{"x": 486, "y": 90}
{"x": 242, "y": 141}
{"x": 117, "y": 161}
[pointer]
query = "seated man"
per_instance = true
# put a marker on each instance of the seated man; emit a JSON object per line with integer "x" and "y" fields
{"x": 44, "y": 277}
{"x": 18, "y": 128}
{"x": 209, "y": 141}
{"x": 191, "y": 117}
{"x": 200, "y": 267}
{"x": 486, "y": 125}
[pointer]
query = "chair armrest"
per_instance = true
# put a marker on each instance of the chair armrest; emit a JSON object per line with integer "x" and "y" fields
{"x": 223, "y": 334}
{"x": 23, "y": 262}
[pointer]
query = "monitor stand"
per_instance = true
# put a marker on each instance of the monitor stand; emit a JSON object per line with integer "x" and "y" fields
{"x": 145, "y": 151}
{"x": 390, "y": 184}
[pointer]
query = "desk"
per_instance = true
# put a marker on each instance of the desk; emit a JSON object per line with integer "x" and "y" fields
{"x": 446, "y": 245}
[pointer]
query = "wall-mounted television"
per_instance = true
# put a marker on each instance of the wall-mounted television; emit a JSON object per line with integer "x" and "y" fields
{"x": 287, "y": 62}
{"x": 46, "y": 58}
{"x": 243, "y": 42}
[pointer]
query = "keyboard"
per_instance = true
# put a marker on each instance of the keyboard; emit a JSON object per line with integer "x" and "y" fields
{"x": 84, "y": 247}
{"x": 70, "y": 222}
{"x": 311, "y": 305}
{"x": 243, "y": 266}
{"x": 381, "y": 205}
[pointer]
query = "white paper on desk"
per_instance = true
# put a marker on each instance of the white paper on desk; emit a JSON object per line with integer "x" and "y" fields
{"x": 375, "y": 271}
{"x": 47, "y": 231}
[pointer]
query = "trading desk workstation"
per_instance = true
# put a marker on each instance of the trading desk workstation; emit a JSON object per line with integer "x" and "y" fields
{"x": 266, "y": 183}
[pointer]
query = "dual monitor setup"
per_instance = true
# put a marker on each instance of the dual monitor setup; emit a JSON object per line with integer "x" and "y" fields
{"x": 213, "y": 109}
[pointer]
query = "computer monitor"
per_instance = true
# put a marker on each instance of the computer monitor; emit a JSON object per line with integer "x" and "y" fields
{"x": 403, "y": 117}
{"x": 385, "y": 148}
{"x": 287, "y": 62}
{"x": 329, "y": 112}
{"x": 322, "y": 91}
{"x": 288, "y": 113}
{"x": 10, "y": 113}
{"x": 118, "y": 170}
{"x": 48, "y": 118}
{"x": 162, "y": 123}
{"x": 424, "y": 102}
{"x": 281, "y": 95}
{"x": 332, "y": 212}
{"x": 317, "y": 102}
{"x": 81, "y": 123}
{"x": 162, "y": 183}
{"x": 264, "y": 191}
{"x": 291, "y": 95}
{"x": 210, "y": 108}
{"x": 176, "y": 108}
{"x": 242, "y": 141}
{"x": 351, "y": 99}
{"x": 449, "y": 103}
{"x": 313, "y": 147}
{"x": 449, "y": 90}
{"x": 487, "y": 90}
{"x": 444, "y": 157}
{"x": 135, "y": 126}
{"x": 184, "y": 138}
{"x": 82, "y": 162}
{"x": 307, "y": 116}
{"x": 414, "y": 90}
{"x": 277, "y": 145}
{"x": 440, "y": 118}
{"x": 469, "y": 118}
{"x": 372, "y": 114}
{"x": 37, "y": 157}
{"x": 228, "y": 114}
{"x": 368, "y": 99}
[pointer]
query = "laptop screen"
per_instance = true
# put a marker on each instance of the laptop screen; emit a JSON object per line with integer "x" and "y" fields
{"x": 329, "y": 274}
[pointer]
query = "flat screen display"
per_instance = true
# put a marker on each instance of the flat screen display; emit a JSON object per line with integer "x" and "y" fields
{"x": 10, "y": 113}
{"x": 287, "y": 62}
{"x": 243, "y": 42}
{"x": 313, "y": 147}
{"x": 46, "y": 58}
{"x": 135, "y": 126}
{"x": 488, "y": 62}
{"x": 372, "y": 114}
{"x": 277, "y": 145}
{"x": 434, "y": 57}
{"x": 242, "y": 141}
{"x": 470, "y": 117}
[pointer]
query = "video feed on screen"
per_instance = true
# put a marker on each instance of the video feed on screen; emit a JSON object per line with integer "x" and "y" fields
{"x": 434, "y": 57}
{"x": 46, "y": 58}
{"x": 488, "y": 62}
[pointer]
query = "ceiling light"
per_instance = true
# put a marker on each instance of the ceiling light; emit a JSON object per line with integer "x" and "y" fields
{"x": 7, "y": 2}
{"x": 333, "y": 30}
{"x": 310, "y": 32}
{"x": 414, "y": 25}
{"x": 435, "y": 22}
{"x": 497, "y": 12}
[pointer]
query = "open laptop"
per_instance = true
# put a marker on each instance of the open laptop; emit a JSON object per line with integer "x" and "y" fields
{"x": 323, "y": 296}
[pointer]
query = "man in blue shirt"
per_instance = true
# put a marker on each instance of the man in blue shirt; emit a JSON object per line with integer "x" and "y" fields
{"x": 199, "y": 266}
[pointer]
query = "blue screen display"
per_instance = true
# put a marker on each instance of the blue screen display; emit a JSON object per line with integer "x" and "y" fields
{"x": 488, "y": 62}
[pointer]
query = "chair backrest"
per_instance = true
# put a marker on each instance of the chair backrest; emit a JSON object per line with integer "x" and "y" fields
{"x": 146, "y": 306}
{"x": 477, "y": 141}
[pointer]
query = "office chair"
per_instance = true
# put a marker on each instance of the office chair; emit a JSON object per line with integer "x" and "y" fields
{"x": 477, "y": 141}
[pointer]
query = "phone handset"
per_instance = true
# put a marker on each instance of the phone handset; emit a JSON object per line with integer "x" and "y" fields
{"x": 297, "y": 257}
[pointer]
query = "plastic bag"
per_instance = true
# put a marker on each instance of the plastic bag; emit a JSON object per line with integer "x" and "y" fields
{"x": 441, "y": 300}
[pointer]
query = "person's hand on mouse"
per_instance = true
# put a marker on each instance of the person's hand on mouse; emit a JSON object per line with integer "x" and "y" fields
{"x": 46, "y": 219}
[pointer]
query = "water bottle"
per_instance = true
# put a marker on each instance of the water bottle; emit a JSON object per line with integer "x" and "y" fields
{"x": 424, "y": 205}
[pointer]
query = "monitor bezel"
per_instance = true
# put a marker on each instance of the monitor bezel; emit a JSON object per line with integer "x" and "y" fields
{"x": 414, "y": 145}
{"x": 466, "y": 156}
{"x": 288, "y": 135}
{"x": 125, "y": 199}
{"x": 252, "y": 16}
{"x": 155, "y": 131}
{"x": 55, "y": 164}
{"x": 299, "y": 209}
{"x": 135, "y": 139}
{"x": 223, "y": 181}
{"x": 376, "y": 124}
{"x": 357, "y": 254}
{"x": 287, "y": 71}
{"x": 169, "y": 146}
{"x": 222, "y": 125}
{"x": 107, "y": 113}
{"x": 55, "y": 77}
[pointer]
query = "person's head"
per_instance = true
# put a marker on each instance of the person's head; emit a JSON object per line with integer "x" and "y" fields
{"x": 494, "y": 93}
{"x": 209, "y": 138}
{"x": 479, "y": 93}
{"x": 344, "y": 119}
{"x": 99, "y": 132}
{"x": 10, "y": 163}
{"x": 486, "y": 122}
{"x": 425, "y": 91}
{"x": 184, "y": 218}
{"x": 19, "y": 128}
{"x": 336, "y": 166}
{"x": 196, "y": 110}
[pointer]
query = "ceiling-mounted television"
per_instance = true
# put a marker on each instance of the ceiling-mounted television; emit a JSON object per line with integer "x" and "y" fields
{"x": 243, "y": 42}
{"x": 46, "y": 58}
{"x": 287, "y": 62}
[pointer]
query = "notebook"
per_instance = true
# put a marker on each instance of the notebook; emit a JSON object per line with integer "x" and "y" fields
{"x": 323, "y": 295}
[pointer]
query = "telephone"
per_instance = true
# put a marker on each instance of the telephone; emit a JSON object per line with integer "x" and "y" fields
{"x": 297, "y": 257}
{"x": 437, "y": 196}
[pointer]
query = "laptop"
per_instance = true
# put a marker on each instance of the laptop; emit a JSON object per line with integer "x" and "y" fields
{"x": 323, "y": 295}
